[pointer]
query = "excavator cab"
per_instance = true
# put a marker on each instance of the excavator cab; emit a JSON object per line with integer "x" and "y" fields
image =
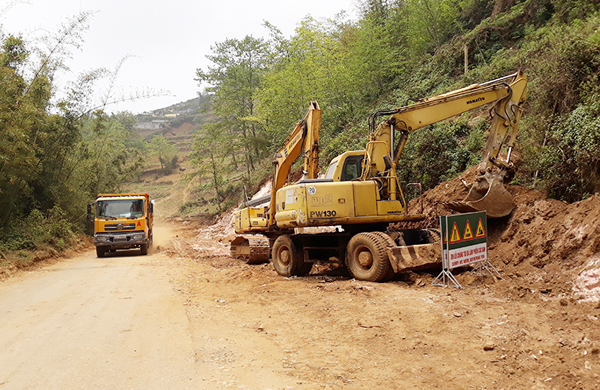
{"x": 347, "y": 166}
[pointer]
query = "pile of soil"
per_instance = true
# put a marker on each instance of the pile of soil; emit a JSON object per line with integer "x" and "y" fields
{"x": 550, "y": 246}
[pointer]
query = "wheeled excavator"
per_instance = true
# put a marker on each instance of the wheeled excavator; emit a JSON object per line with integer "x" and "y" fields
{"x": 361, "y": 194}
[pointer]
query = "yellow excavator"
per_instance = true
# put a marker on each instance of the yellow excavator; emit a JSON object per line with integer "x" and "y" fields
{"x": 252, "y": 218}
{"x": 361, "y": 195}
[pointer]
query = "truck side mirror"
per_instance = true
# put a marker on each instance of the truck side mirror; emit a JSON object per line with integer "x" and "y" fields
{"x": 151, "y": 207}
{"x": 89, "y": 212}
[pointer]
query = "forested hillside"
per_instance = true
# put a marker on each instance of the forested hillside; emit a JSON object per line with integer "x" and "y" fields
{"x": 58, "y": 150}
{"x": 398, "y": 52}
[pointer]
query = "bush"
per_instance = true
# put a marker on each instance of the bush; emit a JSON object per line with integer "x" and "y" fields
{"x": 37, "y": 231}
{"x": 571, "y": 156}
{"x": 441, "y": 151}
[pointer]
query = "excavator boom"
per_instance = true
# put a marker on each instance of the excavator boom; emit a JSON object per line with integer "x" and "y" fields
{"x": 303, "y": 138}
{"x": 488, "y": 193}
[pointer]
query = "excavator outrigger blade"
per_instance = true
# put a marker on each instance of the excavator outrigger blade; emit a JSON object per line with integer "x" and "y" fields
{"x": 486, "y": 194}
{"x": 251, "y": 249}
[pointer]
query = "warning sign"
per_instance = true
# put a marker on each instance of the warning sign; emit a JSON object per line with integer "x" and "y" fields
{"x": 468, "y": 248}
{"x": 480, "y": 230}
{"x": 457, "y": 252}
{"x": 455, "y": 237}
{"x": 468, "y": 232}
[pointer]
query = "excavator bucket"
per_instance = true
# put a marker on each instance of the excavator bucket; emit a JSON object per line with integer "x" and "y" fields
{"x": 487, "y": 194}
{"x": 252, "y": 250}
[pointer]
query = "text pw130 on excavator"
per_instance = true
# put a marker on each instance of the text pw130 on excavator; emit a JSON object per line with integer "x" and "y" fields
{"x": 361, "y": 193}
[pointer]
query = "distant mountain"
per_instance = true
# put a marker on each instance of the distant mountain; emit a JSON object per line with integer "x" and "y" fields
{"x": 174, "y": 115}
{"x": 188, "y": 107}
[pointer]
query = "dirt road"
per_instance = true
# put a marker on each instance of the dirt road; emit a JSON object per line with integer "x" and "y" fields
{"x": 191, "y": 317}
{"x": 110, "y": 323}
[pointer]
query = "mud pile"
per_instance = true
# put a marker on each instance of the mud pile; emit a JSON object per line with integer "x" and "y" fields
{"x": 212, "y": 241}
{"x": 549, "y": 246}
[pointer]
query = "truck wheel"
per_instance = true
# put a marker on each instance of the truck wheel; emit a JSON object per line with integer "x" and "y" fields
{"x": 144, "y": 249}
{"x": 284, "y": 255}
{"x": 100, "y": 251}
{"x": 366, "y": 257}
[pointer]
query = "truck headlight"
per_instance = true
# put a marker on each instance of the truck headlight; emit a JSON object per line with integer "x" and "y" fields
{"x": 100, "y": 238}
{"x": 139, "y": 236}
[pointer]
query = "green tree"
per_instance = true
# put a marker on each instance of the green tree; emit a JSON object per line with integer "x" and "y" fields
{"x": 209, "y": 145}
{"x": 306, "y": 67}
{"x": 164, "y": 151}
{"x": 432, "y": 23}
{"x": 234, "y": 79}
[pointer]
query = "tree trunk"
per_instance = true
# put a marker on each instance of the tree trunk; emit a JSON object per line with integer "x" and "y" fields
{"x": 215, "y": 174}
{"x": 254, "y": 140}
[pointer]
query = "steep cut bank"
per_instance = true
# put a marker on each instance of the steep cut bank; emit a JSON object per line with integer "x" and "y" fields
{"x": 550, "y": 246}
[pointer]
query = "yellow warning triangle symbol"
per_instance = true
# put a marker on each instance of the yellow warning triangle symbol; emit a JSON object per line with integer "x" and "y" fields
{"x": 480, "y": 232}
{"x": 468, "y": 232}
{"x": 455, "y": 236}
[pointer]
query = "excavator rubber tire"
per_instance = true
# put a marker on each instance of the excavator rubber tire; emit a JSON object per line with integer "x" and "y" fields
{"x": 284, "y": 256}
{"x": 389, "y": 243}
{"x": 366, "y": 257}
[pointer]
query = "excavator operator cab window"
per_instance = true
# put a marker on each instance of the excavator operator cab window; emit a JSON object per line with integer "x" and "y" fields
{"x": 331, "y": 170}
{"x": 352, "y": 168}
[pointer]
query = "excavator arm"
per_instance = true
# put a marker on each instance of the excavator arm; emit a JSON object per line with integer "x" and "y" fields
{"x": 304, "y": 138}
{"x": 507, "y": 94}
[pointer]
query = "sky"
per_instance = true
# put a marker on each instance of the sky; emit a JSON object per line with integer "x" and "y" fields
{"x": 163, "y": 42}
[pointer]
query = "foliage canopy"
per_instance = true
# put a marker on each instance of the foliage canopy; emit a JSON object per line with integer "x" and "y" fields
{"x": 400, "y": 51}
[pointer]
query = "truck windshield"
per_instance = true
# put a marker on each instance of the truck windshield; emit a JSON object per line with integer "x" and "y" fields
{"x": 123, "y": 208}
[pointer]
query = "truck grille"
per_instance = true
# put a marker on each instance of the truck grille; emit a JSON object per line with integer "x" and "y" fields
{"x": 120, "y": 226}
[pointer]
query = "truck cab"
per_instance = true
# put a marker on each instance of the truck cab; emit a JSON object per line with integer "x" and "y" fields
{"x": 122, "y": 221}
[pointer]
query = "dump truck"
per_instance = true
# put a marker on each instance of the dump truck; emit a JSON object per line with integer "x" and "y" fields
{"x": 122, "y": 221}
{"x": 361, "y": 193}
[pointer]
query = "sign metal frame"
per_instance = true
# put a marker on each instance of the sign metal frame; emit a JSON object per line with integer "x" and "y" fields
{"x": 464, "y": 242}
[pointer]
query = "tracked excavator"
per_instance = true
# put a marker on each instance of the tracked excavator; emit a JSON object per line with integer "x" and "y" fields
{"x": 361, "y": 195}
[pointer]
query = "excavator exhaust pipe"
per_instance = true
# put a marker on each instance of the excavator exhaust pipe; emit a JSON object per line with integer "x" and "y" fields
{"x": 486, "y": 194}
